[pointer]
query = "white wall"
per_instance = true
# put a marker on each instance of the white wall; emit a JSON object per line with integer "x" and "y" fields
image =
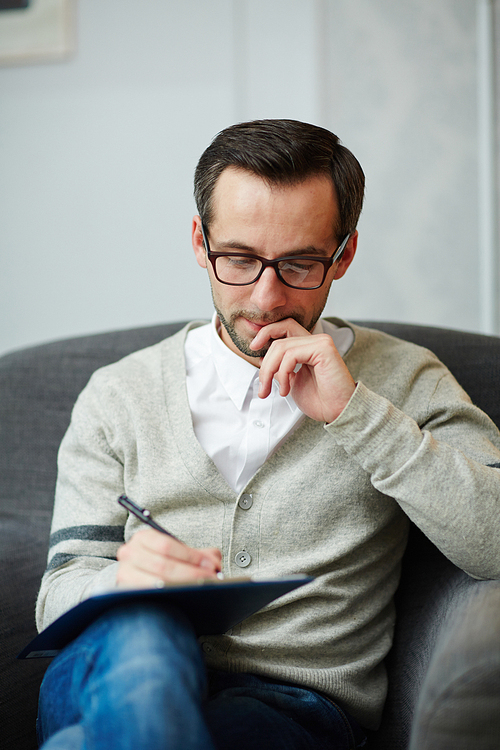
{"x": 97, "y": 155}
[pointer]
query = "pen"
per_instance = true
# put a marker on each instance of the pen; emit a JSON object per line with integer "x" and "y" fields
{"x": 144, "y": 515}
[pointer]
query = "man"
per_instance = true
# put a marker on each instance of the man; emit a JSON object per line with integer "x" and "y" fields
{"x": 270, "y": 442}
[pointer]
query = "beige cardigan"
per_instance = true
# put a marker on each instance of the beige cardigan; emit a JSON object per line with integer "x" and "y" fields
{"x": 333, "y": 502}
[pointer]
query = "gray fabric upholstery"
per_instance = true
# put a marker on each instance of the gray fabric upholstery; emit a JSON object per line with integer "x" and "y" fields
{"x": 459, "y": 703}
{"x": 438, "y": 659}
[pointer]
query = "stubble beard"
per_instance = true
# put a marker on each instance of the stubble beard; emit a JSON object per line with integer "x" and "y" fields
{"x": 244, "y": 346}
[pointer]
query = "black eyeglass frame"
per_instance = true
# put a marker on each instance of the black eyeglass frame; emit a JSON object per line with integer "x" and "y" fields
{"x": 327, "y": 262}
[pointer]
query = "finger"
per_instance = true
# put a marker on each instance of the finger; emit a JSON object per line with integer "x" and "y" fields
{"x": 164, "y": 558}
{"x": 154, "y": 575}
{"x": 286, "y": 372}
{"x": 279, "y": 330}
{"x": 167, "y": 546}
{"x": 280, "y": 364}
{"x": 216, "y": 555}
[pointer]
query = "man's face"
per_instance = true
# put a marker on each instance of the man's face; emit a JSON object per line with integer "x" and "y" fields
{"x": 252, "y": 217}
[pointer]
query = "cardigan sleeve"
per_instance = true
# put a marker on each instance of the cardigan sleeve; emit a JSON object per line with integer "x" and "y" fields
{"x": 88, "y": 524}
{"x": 442, "y": 467}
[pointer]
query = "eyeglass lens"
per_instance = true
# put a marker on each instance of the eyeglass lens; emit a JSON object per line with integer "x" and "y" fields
{"x": 234, "y": 269}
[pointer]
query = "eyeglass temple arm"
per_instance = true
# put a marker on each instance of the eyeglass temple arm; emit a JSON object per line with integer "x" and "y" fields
{"x": 204, "y": 235}
{"x": 340, "y": 250}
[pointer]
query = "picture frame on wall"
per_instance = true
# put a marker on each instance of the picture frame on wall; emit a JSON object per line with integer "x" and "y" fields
{"x": 34, "y": 31}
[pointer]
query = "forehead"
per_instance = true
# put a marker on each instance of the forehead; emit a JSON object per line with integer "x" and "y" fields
{"x": 242, "y": 198}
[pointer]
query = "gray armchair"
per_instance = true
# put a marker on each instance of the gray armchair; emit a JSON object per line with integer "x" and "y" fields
{"x": 444, "y": 667}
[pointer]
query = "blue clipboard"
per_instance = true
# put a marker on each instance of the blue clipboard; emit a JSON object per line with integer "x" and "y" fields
{"x": 212, "y": 608}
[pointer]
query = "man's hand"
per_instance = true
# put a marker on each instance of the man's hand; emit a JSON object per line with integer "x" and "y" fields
{"x": 150, "y": 558}
{"x": 323, "y": 385}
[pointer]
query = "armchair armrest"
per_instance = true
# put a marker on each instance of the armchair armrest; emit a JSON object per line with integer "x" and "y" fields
{"x": 459, "y": 703}
{"x": 447, "y": 631}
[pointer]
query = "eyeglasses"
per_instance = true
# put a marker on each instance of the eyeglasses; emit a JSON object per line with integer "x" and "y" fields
{"x": 295, "y": 271}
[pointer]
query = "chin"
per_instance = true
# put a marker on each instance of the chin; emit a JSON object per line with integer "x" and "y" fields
{"x": 243, "y": 345}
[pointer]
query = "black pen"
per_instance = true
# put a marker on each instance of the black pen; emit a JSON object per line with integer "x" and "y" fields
{"x": 144, "y": 515}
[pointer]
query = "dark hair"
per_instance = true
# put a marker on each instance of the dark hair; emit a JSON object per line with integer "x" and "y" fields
{"x": 282, "y": 152}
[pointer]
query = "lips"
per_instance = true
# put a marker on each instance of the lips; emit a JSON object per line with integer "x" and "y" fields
{"x": 256, "y": 327}
{"x": 261, "y": 322}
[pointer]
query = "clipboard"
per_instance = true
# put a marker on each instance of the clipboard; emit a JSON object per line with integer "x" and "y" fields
{"x": 212, "y": 608}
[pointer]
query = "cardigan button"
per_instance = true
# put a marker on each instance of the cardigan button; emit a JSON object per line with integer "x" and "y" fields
{"x": 243, "y": 559}
{"x": 245, "y": 502}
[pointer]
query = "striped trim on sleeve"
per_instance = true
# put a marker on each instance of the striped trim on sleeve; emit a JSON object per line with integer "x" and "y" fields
{"x": 100, "y": 542}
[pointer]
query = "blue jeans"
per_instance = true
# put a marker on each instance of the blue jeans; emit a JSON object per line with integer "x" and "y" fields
{"x": 136, "y": 679}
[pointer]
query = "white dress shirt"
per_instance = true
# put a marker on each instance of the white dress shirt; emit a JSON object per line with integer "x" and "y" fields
{"x": 237, "y": 429}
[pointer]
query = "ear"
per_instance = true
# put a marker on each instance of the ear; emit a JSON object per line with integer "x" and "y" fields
{"x": 347, "y": 256}
{"x": 197, "y": 242}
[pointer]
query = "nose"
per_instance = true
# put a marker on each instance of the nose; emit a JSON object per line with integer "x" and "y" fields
{"x": 268, "y": 292}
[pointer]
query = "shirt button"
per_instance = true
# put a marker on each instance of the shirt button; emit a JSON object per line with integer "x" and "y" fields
{"x": 243, "y": 559}
{"x": 245, "y": 502}
{"x": 258, "y": 423}
{"x": 207, "y": 647}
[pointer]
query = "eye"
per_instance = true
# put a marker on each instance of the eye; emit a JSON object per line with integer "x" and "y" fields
{"x": 239, "y": 262}
{"x": 299, "y": 266}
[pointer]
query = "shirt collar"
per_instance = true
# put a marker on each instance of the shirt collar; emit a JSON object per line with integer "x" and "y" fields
{"x": 235, "y": 373}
